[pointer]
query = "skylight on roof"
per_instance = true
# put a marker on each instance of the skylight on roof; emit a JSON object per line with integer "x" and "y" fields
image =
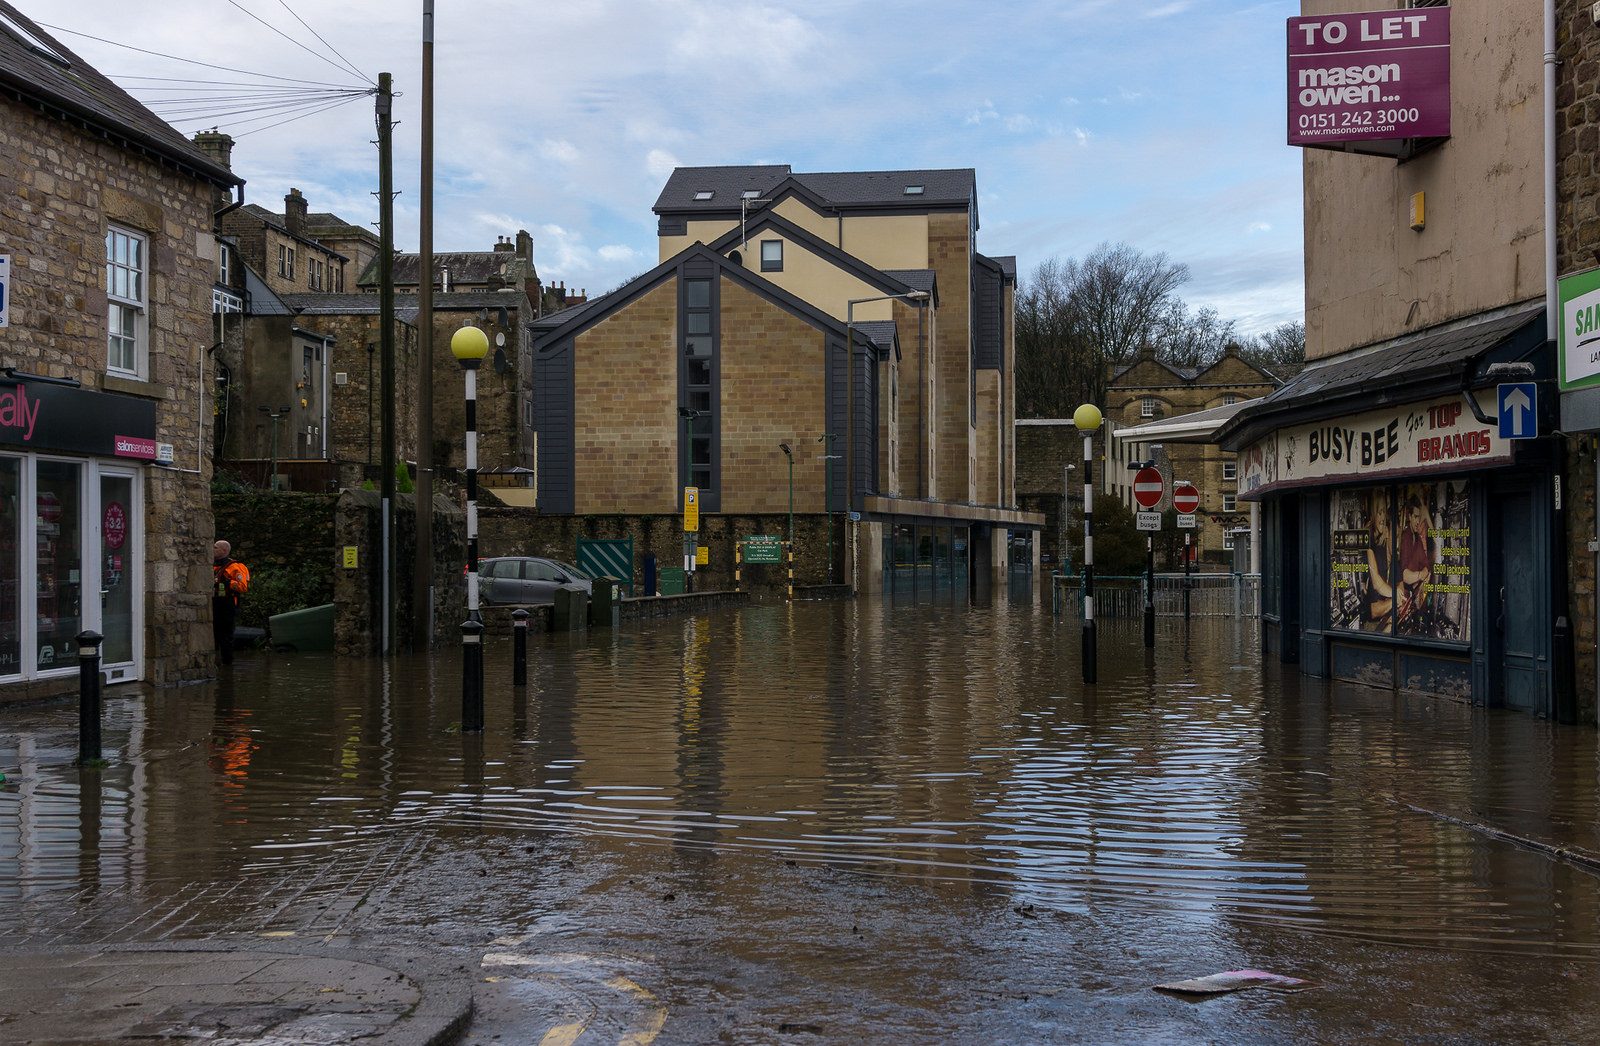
{"x": 704, "y": 194}
{"x": 32, "y": 39}
{"x": 751, "y": 194}
{"x": 913, "y": 190}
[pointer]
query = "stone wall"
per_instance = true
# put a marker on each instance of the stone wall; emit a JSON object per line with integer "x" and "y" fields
{"x": 1578, "y": 238}
{"x": 59, "y": 188}
{"x": 524, "y": 532}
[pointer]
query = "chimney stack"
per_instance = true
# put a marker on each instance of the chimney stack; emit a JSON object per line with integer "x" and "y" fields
{"x": 525, "y": 244}
{"x": 216, "y": 145}
{"x": 502, "y": 245}
{"x": 294, "y": 213}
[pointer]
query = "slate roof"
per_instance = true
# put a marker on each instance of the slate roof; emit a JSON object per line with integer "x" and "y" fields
{"x": 464, "y": 266}
{"x": 306, "y": 304}
{"x": 883, "y": 333}
{"x": 80, "y": 94}
{"x": 917, "y": 280}
{"x": 955, "y": 187}
{"x": 1402, "y": 371}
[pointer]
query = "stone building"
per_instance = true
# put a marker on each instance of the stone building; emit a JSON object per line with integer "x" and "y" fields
{"x": 105, "y": 524}
{"x": 1416, "y": 521}
{"x": 701, "y": 372}
{"x": 1149, "y": 390}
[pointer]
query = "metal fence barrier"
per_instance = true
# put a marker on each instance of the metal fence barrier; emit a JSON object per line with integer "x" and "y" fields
{"x": 1210, "y": 595}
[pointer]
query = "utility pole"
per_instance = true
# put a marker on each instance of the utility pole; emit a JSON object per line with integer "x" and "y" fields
{"x": 422, "y": 569}
{"x": 385, "y": 120}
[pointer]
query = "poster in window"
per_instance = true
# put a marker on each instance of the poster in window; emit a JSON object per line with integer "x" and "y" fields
{"x": 1433, "y": 598}
{"x": 1363, "y": 561}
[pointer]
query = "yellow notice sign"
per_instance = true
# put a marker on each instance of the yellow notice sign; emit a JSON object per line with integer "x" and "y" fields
{"x": 702, "y": 555}
{"x": 350, "y": 557}
{"x": 691, "y": 509}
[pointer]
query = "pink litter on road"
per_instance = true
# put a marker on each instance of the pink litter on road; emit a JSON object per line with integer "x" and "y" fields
{"x": 1236, "y": 980}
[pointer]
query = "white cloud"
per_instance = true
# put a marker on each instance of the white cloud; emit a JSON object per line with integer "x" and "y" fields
{"x": 562, "y": 152}
{"x": 661, "y": 163}
{"x": 1167, "y": 10}
{"x": 1255, "y": 227}
{"x": 617, "y": 252}
{"x": 1018, "y": 124}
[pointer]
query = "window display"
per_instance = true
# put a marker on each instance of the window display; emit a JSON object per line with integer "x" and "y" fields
{"x": 1400, "y": 560}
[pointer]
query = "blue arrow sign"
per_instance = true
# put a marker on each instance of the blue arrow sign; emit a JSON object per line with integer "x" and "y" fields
{"x": 1519, "y": 415}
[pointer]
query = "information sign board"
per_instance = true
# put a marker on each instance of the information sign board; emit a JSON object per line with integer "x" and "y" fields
{"x": 1186, "y": 520}
{"x": 1149, "y": 520}
{"x": 763, "y": 548}
{"x": 691, "y": 509}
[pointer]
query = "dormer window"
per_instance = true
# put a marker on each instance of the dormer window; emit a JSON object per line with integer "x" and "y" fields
{"x": 913, "y": 190}
{"x": 704, "y": 194}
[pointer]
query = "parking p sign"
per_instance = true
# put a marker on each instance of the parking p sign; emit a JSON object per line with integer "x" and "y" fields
{"x": 5, "y": 290}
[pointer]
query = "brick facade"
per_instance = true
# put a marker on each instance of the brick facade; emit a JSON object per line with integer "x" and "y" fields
{"x": 950, "y": 255}
{"x": 625, "y": 408}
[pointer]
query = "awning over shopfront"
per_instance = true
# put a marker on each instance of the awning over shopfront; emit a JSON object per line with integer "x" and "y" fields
{"x": 1201, "y": 426}
{"x": 1443, "y": 361}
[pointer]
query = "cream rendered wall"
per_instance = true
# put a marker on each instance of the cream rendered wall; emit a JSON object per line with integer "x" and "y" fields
{"x": 1369, "y": 277}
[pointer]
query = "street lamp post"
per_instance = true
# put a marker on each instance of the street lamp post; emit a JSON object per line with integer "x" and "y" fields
{"x": 470, "y": 345}
{"x": 1087, "y": 418}
{"x": 274, "y": 415}
{"x": 850, "y": 410}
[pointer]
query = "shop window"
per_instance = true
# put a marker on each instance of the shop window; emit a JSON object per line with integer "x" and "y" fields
{"x": 1400, "y": 560}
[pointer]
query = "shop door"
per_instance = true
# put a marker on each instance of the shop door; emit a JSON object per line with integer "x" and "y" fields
{"x": 1516, "y": 601}
{"x": 116, "y": 571}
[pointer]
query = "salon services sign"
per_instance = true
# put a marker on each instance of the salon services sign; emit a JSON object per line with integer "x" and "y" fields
{"x": 1415, "y": 440}
{"x": 1370, "y": 75}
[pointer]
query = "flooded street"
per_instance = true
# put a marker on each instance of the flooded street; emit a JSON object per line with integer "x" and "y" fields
{"x": 828, "y": 823}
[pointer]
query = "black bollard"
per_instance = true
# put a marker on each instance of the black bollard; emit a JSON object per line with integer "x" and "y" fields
{"x": 471, "y": 676}
{"x": 1150, "y": 592}
{"x": 89, "y": 696}
{"x": 1188, "y": 563}
{"x": 519, "y": 647}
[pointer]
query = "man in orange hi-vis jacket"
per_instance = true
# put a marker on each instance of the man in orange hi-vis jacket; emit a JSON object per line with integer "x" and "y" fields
{"x": 232, "y": 580}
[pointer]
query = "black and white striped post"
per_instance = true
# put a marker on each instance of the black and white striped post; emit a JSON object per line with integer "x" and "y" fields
{"x": 470, "y": 345}
{"x": 1087, "y": 418}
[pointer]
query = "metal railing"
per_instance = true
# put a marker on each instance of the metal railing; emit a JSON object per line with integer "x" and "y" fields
{"x": 1210, "y": 595}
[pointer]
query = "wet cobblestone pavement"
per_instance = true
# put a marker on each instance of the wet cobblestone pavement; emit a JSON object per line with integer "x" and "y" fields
{"x": 823, "y": 823}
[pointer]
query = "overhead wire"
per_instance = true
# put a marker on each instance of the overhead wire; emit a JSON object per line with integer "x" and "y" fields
{"x": 268, "y": 96}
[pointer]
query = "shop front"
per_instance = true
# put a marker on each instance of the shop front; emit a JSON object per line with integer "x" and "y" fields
{"x": 71, "y": 527}
{"x": 1412, "y": 545}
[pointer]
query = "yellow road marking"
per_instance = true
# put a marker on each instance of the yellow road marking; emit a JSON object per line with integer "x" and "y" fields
{"x": 644, "y": 1031}
{"x": 565, "y": 1035}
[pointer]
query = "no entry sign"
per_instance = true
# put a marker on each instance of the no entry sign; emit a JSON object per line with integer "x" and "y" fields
{"x": 1148, "y": 486}
{"x": 1184, "y": 497}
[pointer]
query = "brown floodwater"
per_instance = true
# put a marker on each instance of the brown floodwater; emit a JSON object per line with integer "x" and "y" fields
{"x": 831, "y": 823}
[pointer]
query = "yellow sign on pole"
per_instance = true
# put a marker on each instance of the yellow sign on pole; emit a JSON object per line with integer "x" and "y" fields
{"x": 702, "y": 555}
{"x": 350, "y": 557}
{"x": 691, "y": 509}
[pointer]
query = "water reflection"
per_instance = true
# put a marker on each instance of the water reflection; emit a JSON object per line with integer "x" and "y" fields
{"x": 1192, "y": 784}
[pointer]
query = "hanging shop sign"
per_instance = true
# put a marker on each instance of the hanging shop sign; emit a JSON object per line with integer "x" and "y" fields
{"x": 1418, "y": 439}
{"x": 1579, "y": 337}
{"x": 1369, "y": 76}
{"x": 38, "y": 416}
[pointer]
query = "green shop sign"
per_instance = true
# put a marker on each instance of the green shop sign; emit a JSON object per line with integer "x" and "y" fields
{"x": 1579, "y": 337}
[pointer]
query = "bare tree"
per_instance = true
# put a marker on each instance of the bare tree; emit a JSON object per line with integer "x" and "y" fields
{"x": 1192, "y": 339}
{"x": 1077, "y": 322}
{"x": 1280, "y": 351}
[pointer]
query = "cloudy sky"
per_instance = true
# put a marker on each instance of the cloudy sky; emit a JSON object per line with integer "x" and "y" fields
{"x": 1159, "y": 124}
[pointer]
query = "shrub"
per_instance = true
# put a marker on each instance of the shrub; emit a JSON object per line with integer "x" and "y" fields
{"x": 278, "y": 590}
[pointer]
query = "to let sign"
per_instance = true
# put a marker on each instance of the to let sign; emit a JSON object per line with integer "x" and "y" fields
{"x": 1370, "y": 75}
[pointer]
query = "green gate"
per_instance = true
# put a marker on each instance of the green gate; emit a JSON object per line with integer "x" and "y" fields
{"x": 607, "y": 557}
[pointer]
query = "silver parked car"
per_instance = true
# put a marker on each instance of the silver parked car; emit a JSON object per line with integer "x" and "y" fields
{"x": 510, "y": 580}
